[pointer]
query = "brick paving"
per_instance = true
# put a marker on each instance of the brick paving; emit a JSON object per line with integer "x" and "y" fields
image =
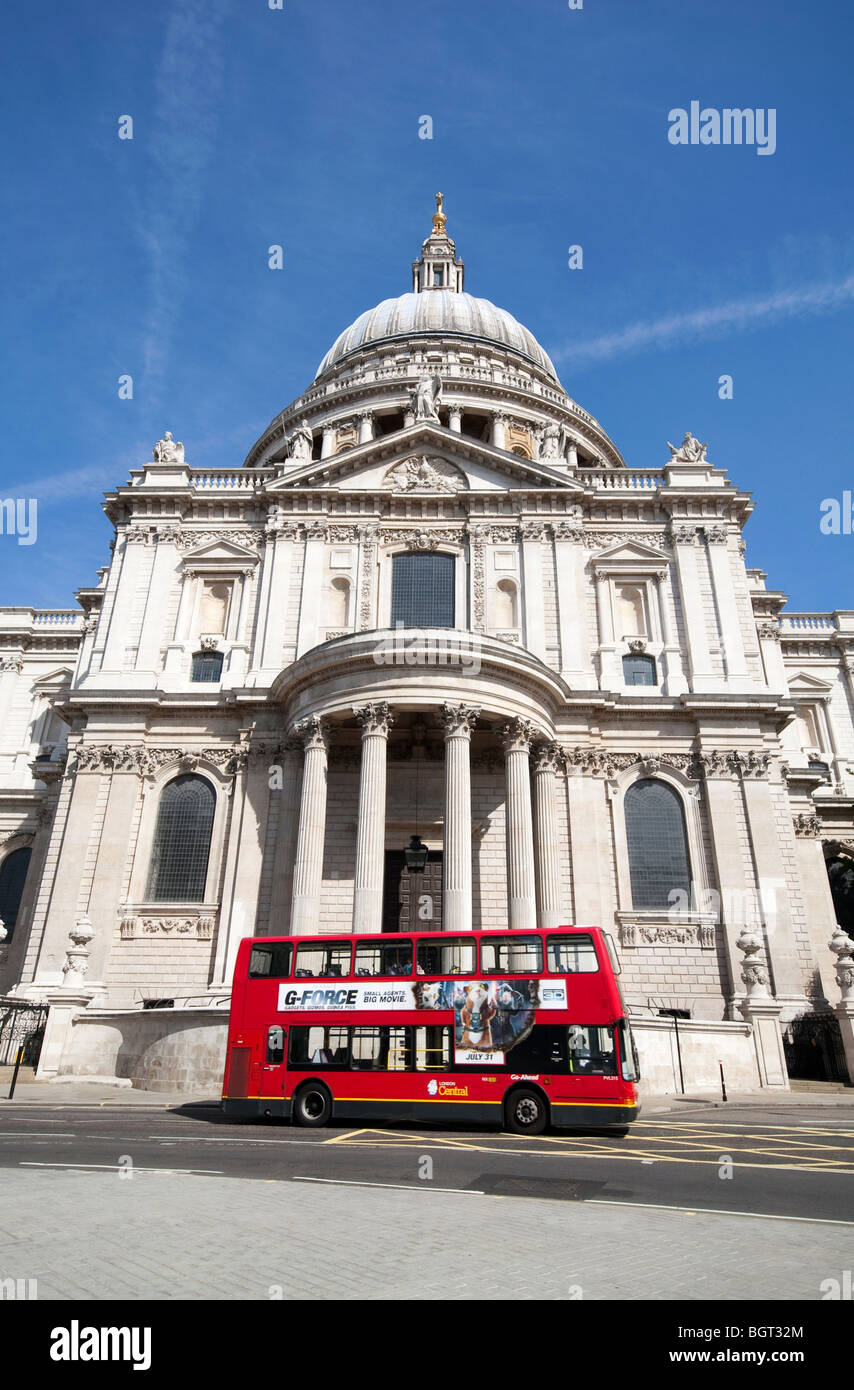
{"x": 165, "y": 1236}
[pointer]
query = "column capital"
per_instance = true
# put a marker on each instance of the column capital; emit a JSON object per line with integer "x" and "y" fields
{"x": 374, "y": 719}
{"x": 547, "y": 757}
{"x": 459, "y": 720}
{"x": 518, "y": 735}
{"x": 314, "y": 732}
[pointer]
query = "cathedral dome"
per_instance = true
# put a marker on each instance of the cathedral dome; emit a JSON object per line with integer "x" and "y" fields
{"x": 445, "y": 312}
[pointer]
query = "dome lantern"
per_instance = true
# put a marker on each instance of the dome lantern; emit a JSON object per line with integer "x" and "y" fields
{"x": 438, "y": 268}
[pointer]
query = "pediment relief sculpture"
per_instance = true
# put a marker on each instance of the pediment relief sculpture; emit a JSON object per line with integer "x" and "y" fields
{"x": 422, "y": 474}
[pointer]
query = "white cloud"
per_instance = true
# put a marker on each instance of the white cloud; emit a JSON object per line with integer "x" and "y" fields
{"x": 736, "y": 316}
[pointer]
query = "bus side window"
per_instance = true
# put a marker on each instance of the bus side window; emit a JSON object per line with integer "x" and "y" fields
{"x": 571, "y": 955}
{"x": 432, "y": 1049}
{"x": 275, "y": 1046}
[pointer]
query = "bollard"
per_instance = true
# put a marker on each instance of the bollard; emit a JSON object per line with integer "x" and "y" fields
{"x": 18, "y": 1060}
{"x": 723, "y": 1083}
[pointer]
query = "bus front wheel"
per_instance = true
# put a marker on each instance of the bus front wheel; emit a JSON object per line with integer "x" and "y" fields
{"x": 312, "y": 1106}
{"x": 526, "y": 1112}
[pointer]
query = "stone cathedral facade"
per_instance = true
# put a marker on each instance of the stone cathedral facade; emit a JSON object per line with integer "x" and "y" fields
{"x": 434, "y": 602}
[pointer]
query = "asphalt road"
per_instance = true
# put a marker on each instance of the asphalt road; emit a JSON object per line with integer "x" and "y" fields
{"x": 768, "y": 1161}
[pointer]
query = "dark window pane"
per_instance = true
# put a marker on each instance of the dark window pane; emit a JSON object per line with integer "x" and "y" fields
{"x": 422, "y": 590}
{"x": 182, "y": 841}
{"x": 639, "y": 670}
{"x": 327, "y": 961}
{"x": 13, "y": 872}
{"x": 271, "y": 962}
{"x": 657, "y": 844}
{"x": 449, "y": 955}
{"x": 571, "y": 955}
{"x": 207, "y": 666}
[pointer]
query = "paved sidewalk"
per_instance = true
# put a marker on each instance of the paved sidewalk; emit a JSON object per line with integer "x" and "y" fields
{"x": 169, "y": 1235}
{"x": 76, "y": 1092}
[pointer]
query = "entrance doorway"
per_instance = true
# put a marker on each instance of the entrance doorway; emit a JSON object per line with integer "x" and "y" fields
{"x": 412, "y": 902}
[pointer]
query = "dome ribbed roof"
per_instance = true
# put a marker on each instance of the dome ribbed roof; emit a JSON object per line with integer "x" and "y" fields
{"x": 441, "y": 312}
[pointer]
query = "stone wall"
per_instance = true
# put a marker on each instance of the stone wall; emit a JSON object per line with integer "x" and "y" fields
{"x": 703, "y": 1045}
{"x": 156, "y": 1049}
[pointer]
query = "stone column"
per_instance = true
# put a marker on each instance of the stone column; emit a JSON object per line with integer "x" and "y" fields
{"x": 499, "y": 432}
{"x": 163, "y": 573}
{"x": 547, "y": 763}
{"x": 455, "y": 419}
{"x": 570, "y": 559}
{"x": 736, "y": 662}
{"x": 674, "y": 676}
{"x": 312, "y": 581}
{"x": 532, "y": 587}
{"x": 693, "y": 615}
{"x": 763, "y": 1014}
{"x": 572, "y": 454}
{"x": 843, "y": 948}
{"x": 520, "y": 831}
{"x": 278, "y": 558}
{"x": 366, "y": 426}
{"x": 122, "y": 592}
{"x": 308, "y": 869}
{"x": 289, "y": 758}
{"x": 459, "y": 720}
{"x": 376, "y": 720}
{"x": 328, "y": 440}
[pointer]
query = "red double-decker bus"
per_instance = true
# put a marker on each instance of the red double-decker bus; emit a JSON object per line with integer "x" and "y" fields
{"x": 519, "y": 1028}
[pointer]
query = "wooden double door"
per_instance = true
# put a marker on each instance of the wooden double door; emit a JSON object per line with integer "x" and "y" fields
{"x": 412, "y": 901}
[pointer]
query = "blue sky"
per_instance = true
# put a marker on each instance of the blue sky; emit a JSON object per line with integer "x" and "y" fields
{"x": 299, "y": 127}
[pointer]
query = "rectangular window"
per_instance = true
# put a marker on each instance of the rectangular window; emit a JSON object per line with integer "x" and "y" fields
{"x": 449, "y": 955}
{"x": 591, "y": 1050}
{"x": 271, "y": 962}
{"x": 571, "y": 955}
{"x": 511, "y": 955}
{"x": 422, "y": 590}
{"x": 384, "y": 957}
{"x": 380, "y": 1049}
{"x": 275, "y": 1046}
{"x": 319, "y": 1047}
{"x": 439, "y": 275}
{"x": 432, "y": 1049}
{"x": 328, "y": 961}
{"x": 543, "y": 1052}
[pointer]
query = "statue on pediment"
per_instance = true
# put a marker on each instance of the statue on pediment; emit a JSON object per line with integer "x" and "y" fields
{"x": 167, "y": 450}
{"x": 425, "y": 398}
{"x": 689, "y": 451}
{"x": 300, "y": 442}
{"x": 424, "y": 475}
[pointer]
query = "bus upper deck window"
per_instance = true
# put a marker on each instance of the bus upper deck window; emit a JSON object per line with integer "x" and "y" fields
{"x": 384, "y": 957}
{"x": 571, "y": 955}
{"x": 511, "y": 954}
{"x": 323, "y": 960}
{"x": 271, "y": 961}
{"x": 451, "y": 955}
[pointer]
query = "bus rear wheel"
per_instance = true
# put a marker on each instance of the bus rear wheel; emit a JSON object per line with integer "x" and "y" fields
{"x": 526, "y": 1112}
{"x": 312, "y": 1106}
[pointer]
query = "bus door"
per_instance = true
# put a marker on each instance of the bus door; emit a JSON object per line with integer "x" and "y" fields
{"x": 273, "y": 1065}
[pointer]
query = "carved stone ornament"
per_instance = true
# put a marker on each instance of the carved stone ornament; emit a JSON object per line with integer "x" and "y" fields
{"x": 167, "y": 450}
{"x": 807, "y": 826}
{"x": 12, "y": 664}
{"x": 753, "y": 971}
{"x": 423, "y": 474}
{"x": 637, "y": 646}
{"x": 77, "y": 955}
{"x": 313, "y": 731}
{"x": 547, "y": 758}
{"x": 684, "y": 535}
{"x": 634, "y": 934}
{"x": 843, "y": 948}
{"x": 208, "y": 643}
{"x": 459, "y": 719}
{"x": 148, "y": 761}
{"x": 425, "y": 398}
{"x": 689, "y": 451}
{"x": 374, "y": 719}
{"x": 366, "y": 587}
{"x": 518, "y": 735}
{"x": 191, "y": 925}
{"x": 768, "y": 632}
{"x": 716, "y": 535}
{"x": 420, "y": 539}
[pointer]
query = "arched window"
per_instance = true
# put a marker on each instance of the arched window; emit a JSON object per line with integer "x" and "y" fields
{"x": 504, "y": 604}
{"x": 13, "y": 873}
{"x": 639, "y": 670}
{"x": 657, "y": 844}
{"x": 182, "y": 841}
{"x": 422, "y": 590}
{"x": 207, "y": 666}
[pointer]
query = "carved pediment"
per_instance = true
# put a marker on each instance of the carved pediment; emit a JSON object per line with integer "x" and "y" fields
{"x": 219, "y": 555}
{"x": 629, "y": 556}
{"x": 461, "y": 463}
{"x": 421, "y": 473}
{"x": 804, "y": 684}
